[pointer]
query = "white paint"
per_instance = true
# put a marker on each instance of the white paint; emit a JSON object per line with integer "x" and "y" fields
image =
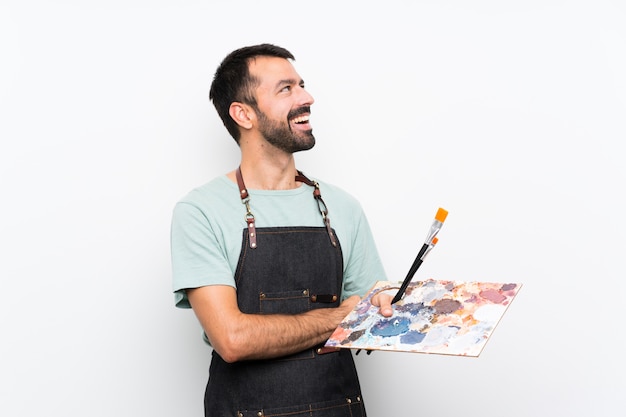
{"x": 490, "y": 313}
{"x": 508, "y": 114}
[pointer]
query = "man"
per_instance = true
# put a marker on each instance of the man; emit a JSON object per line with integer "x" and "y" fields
{"x": 268, "y": 268}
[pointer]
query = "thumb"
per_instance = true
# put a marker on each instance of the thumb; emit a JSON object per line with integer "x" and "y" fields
{"x": 383, "y": 301}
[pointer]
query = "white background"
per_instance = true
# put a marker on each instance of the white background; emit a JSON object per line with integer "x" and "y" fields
{"x": 509, "y": 114}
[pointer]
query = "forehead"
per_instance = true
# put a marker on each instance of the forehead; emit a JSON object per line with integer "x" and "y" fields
{"x": 272, "y": 71}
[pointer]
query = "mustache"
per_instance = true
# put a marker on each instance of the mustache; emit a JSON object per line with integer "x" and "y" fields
{"x": 297, "y": 112}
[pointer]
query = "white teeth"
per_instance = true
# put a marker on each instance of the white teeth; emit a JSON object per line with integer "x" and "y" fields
{"x": 301, "y": 119}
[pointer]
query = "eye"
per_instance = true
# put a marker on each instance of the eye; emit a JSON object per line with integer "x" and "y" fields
{"x": 286, "y": 88}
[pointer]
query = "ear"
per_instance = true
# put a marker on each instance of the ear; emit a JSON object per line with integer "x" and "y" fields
{"x": 242, "y": 114}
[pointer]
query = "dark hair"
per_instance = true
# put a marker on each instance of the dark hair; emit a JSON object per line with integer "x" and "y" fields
{"x": 232, "y": 81}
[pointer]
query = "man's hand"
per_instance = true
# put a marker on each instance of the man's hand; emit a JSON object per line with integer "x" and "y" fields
{"x": 383, "y": 301}
{"x": 348, "y": 304}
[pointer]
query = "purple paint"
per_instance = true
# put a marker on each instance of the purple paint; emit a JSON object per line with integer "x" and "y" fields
{"x": 447, "y": 306}
{"x": 409, "y": 307}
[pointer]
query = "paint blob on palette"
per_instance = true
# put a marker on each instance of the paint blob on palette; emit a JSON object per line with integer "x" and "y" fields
{"x": 441, "y": 317}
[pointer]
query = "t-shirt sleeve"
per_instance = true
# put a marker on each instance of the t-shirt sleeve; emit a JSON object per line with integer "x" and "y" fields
{"x": 198, "y": 259}
{"x": 364, "y": 266}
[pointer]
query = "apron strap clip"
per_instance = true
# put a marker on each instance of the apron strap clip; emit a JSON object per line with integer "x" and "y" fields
{"x": 245, "y": 200}
{"x": 317, "y": 194}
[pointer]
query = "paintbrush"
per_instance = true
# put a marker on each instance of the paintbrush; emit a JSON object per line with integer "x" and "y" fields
{"x": 429, "y": 243}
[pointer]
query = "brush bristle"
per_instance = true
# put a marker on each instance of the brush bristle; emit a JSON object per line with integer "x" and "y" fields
{"x": 441, "y": 215}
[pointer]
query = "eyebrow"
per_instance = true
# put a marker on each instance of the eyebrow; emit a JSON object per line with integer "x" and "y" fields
{"x": 289, "y": 81}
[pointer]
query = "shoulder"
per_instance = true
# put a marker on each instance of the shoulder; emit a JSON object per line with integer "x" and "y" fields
{"x": 216, "y": 189}
{"x": 345, "y": 210}
{"x": 209, "y": 201}
{"x": 338, "y": 195}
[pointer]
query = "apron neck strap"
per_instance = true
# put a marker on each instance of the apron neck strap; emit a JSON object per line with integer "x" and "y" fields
{"x": 317, "y": 194}
{"x": 245, "y": 199}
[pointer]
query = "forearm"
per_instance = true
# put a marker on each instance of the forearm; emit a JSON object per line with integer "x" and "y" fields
{"x": 256, "y": 336}
{"x": 238, "y": 336}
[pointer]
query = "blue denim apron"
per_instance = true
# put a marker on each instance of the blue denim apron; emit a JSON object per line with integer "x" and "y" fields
{"x": 289, "y": 270}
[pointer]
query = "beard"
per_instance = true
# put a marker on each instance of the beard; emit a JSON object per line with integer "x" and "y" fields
{"x": 281, "y": 136}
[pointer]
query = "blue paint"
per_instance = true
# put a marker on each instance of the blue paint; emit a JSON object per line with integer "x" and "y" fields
{"x": 391, "y": 327}
{"x": 412, "y": 338}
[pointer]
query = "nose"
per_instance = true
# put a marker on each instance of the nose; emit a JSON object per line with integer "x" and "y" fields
{"x": 305, "y": 98}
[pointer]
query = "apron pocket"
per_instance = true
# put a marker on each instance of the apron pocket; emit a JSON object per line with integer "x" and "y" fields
{"x": 284, "y": 302}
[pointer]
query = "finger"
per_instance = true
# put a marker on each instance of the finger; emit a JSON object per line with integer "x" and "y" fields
{"x": 383, "y": 301}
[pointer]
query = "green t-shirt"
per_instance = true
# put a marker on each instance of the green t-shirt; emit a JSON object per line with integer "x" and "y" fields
{"x": 207, "y": 227}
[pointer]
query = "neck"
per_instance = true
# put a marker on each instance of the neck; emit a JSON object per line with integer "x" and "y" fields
{"x": 263, "y": 166}
{"x": 268, "y": 174}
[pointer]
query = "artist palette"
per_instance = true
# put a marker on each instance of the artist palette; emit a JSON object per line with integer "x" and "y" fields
{"x": 441, "y": 317}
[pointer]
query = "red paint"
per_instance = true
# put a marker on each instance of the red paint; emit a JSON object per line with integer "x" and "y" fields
{"x": 493, "y": 296}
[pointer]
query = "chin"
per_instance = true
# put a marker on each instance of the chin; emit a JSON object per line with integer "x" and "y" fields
{"x": 305, "y": 146}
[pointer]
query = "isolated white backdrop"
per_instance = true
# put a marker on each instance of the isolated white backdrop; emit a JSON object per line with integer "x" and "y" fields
{"x": 509, "y": 114}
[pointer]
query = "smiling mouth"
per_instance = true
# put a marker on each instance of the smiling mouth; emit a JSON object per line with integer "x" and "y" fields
{"x": 300, "y": 116}
{"x": 300, "y": 120}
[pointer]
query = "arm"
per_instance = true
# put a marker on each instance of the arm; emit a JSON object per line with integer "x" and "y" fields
{"x": 237, "y": 336}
